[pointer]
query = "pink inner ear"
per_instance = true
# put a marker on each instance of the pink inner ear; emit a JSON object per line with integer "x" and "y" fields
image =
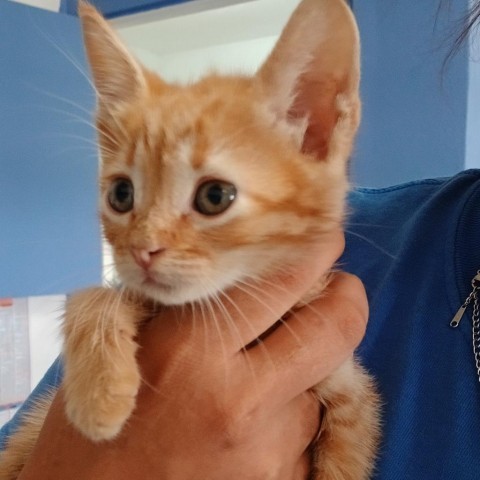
{"x": 316, "y": 100}
{"x": 317, "y": 137}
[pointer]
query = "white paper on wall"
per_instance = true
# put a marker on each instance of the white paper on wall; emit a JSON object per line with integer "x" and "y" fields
{"x": 14, "y": 354}
{"x": 45, "y": 315}
{"x": 29, "y": 343}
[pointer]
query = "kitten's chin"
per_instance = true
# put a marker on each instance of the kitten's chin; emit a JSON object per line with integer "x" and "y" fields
{"x": 169, "y": 294}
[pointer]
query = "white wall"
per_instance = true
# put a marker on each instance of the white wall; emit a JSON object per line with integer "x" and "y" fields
{"x": 53, "y": 5}
{"x": 186, "y": 66}
{"x": 231, "y": 39}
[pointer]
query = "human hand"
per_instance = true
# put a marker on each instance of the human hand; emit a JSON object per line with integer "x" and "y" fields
{"x": 208, "y": 408}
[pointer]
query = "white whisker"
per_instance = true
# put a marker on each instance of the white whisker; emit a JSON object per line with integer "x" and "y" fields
{"x": 372, "y": 243}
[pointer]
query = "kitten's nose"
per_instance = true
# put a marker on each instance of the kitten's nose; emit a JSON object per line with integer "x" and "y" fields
{"x": 144, "y": 257}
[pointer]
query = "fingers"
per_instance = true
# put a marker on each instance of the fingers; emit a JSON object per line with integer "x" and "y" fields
{"x": 248, "y": 311}
{"x": 315, "y": 341}
{"x": 240, "y": 315}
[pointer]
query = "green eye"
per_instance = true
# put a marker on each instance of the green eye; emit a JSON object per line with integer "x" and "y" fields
{"x": 214, "y": 197}
{"x": 120, "y": 195}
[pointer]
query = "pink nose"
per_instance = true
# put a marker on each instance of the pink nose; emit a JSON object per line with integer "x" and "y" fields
{"x": 144, "y": 257}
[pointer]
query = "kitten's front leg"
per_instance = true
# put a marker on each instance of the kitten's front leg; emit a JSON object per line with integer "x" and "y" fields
{"x": 102, "y": 377}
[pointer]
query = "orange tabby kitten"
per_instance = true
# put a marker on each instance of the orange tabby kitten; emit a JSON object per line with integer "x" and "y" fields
{"x": 206, "y": 185}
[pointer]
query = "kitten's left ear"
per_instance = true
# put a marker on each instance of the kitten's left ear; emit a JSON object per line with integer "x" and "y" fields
{"x": 311, "y": 79}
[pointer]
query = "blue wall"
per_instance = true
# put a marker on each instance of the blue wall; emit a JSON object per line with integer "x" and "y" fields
{"x": 472, "y": 157}
{"x": 49, "y": 234}
{"x": 415, "y": 113}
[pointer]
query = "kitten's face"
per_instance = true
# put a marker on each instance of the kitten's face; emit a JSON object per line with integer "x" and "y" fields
{"x": 223, "y": 181}
{"x": 175, "y": 154}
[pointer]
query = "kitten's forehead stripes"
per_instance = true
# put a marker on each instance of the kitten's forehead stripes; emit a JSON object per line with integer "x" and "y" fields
{"x": 154, "y": 136}
{"x": 200, "y": 149}
{"x": 131, "y": 153}
{"x": 160, "y": 146}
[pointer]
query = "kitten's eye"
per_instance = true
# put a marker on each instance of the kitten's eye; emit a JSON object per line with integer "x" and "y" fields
{"x": 120, "y": 195}
{"x": 214, "y": 197}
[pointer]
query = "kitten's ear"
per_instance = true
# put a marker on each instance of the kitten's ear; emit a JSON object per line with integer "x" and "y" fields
{"x": 116, "y": 74}
{"x": 311, "y": 78}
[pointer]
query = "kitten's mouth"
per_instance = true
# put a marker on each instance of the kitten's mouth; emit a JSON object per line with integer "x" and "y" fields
{"x": 168, "y": 289}
{"x": 165, "y": 292}
{"x": 152, "y": 282}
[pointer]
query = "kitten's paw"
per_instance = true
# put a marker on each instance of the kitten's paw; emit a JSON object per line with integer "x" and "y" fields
{"x": 101, "y": 414}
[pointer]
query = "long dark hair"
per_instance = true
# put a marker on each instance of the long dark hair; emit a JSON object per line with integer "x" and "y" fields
{"x": 460, "y": 34}
{"x": 471, "y": 22}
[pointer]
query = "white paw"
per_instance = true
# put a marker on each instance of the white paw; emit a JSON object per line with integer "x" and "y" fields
{"x": 104, "y": 405}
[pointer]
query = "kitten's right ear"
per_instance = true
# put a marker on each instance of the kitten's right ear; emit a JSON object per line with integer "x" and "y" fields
{"x": 116, "y": 74}
{"x": 311, "y": 79}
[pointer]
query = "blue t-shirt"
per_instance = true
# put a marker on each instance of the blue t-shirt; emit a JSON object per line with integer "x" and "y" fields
{"x": 417, "y": 248}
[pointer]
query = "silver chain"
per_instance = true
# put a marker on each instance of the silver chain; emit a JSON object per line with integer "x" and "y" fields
{"x": 473, "y": 297}
{"x": 476, "y": 325}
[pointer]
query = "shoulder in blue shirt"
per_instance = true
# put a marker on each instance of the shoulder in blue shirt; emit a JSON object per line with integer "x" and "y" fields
{"x": 417, "y": 248}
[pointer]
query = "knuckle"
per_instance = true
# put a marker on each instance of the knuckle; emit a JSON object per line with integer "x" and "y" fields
{"x": 352, "y": 330}
{"x": 353, "y": 320}
{"x": 352, "y": 325}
